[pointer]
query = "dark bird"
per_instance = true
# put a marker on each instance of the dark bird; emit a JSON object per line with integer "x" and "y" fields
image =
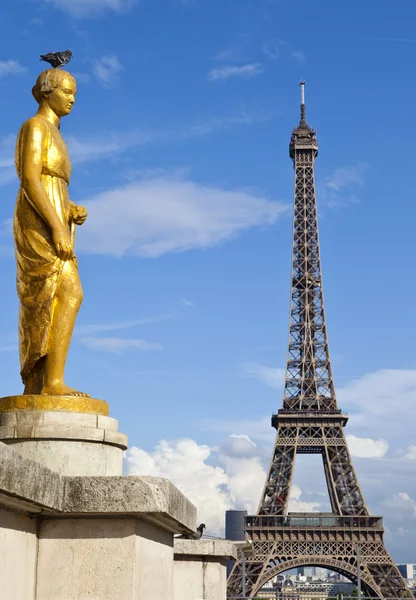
{"x": 195, "y": 535}
{"x": 57, "y": 59}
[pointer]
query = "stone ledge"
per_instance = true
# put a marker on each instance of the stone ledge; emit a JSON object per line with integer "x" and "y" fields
{"x": 63, "y": 432}
{"x": 204, "y": 548}
{"x": 158, "y": 498}
{"x": 28, "y": 481}
{"x": 28, "y": 484}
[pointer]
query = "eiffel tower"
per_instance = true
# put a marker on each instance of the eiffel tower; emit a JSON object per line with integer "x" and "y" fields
{"x": 347, "y": 540}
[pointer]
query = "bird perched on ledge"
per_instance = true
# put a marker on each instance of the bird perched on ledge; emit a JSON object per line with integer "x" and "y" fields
{"x": 196, "y": 535}
{"x": 57, "y": 59}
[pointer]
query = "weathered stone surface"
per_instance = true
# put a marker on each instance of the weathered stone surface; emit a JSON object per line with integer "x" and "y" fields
{"x": 68, "y": 443}
{"x": 199, "y": 569}
{"x": 219, "y": 548}
{"x": 151, "y": 498}
{"x": 157, "y": 497}
{"x": 18, "y": 549}
{"x": 86, "y": 558}
{"x": 24, "y": 480}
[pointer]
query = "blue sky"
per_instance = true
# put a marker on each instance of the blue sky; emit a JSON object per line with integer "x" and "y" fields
{"x": 179, "y": 141}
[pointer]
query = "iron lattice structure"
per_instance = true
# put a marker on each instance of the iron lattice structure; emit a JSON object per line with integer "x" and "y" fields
{"x": 310, "y": 422}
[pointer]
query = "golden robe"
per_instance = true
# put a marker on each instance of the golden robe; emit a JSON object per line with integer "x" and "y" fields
{"x": 38, "y": 267}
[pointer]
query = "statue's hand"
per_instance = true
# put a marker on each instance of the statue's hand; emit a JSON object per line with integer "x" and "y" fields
{"x": 78, "y": 214}
{"x": 62, "y": 242}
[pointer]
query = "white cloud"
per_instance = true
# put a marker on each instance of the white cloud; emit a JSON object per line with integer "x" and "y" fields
{"x": 117, "y": 345}
{"x": 272, "y": 49}
{"x": 366, "y": 447}
{"x": 92, "y": 328}
{"x": 269, "y": 375}
{"x": 228, "y": 71}
{"x": 257, "y": 429}
{"x": 156, "y": 216}
{"x": 411, "y": 453}
{"x": 275, "y": 48}
{"x": 9, "y": 348}
{"x": 107, "y": 70}
{"x": 297, "y": 504}
{"x": 11, "y": 67}
{"x": 235, "y": 483}
{"x": 300, "y": 57}
{"x": 81, "y": 77}
{"x": 187, "y": 303}
{"x": 88, "y": 8}
{"x": 340, "y": 185}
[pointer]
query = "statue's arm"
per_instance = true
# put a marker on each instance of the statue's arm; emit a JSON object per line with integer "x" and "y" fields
{"x": 32, "y": 143}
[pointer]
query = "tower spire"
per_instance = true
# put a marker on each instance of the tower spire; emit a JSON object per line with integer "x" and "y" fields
{"x": 302, "y": 105}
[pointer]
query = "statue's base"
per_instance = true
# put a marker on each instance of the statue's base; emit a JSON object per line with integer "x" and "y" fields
{"x": 69, "y": 443}
{"x": 78, "y": 404}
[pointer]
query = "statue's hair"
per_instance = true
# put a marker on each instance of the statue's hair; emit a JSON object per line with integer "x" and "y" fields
{"x": 48, "y": 81}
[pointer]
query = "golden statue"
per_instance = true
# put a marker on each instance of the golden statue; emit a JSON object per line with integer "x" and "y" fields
{"x": 48, "y": 283}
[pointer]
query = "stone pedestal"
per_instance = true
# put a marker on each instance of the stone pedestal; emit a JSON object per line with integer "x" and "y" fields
{"x": 69, "y": 443}
{"x": 86, "y": 538}
{"x": 200, "y": 569}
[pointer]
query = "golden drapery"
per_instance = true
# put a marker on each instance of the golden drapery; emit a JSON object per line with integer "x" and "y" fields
{"x": 39, "y": 269}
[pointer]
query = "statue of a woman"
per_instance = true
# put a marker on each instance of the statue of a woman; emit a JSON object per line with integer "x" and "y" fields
{"x": 48, "y": 284}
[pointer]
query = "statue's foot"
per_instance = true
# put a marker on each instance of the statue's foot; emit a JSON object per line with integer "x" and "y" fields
{"x": 60, "y": 389}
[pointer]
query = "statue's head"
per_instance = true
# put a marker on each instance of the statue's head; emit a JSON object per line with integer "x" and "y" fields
{"x": 56, "y": 88}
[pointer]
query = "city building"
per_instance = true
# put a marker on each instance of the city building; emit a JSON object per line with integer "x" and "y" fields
{"x": 408, "y": 571}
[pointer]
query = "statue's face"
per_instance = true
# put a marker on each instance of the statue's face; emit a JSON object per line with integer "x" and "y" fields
{"x": 61, "y": 99}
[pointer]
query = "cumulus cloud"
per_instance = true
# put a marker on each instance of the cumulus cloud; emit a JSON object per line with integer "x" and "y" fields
{"x": 411, "y": 453}
{"x": 366, "y": 447}
{"x": 107, "y": 70}
{"x": 235, "y": 482}
{"x": 89, "y": 8}
{"x": 298, "y": 504}
{"x": 117, "y": 345}
{"x": 166, "y": 214}
{"x": 249, "y": 70}
{"x": 11, "y": 67}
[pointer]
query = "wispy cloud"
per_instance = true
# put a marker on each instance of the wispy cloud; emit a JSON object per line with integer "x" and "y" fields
{"x": 187, "y": 303}
{"x": 91, "y": 148}
{"x": 81, "y": 77}
{"x": 228, "y": 71}
{"x": 117, "y": 345}
{"x": 276, "y": 48}
{"x": 269, "y": 375}
{"x": 171, "y": 214}
{"x": 300, "y": 56}
{"x": 11, "y": 67}
{"x": 341, "y": 185}
{"x": 107, "y": 70}
{"x": 89, "y": 8}
{"x": 93, "y": 328}
{"x": 9, "y": 348}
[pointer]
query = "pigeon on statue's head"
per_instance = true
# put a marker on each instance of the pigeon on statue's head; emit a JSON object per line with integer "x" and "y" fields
{"x": 57, "y": 59}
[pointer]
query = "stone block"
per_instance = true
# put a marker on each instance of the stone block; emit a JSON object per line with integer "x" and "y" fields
{"x": 18, "y": 549}
{"x": 199, "y": 571}
{"x": 67, "y": 442}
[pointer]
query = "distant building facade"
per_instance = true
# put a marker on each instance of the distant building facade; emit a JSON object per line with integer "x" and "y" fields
{"x": 234, "y": 530}
{"x": 408, "y": 571}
